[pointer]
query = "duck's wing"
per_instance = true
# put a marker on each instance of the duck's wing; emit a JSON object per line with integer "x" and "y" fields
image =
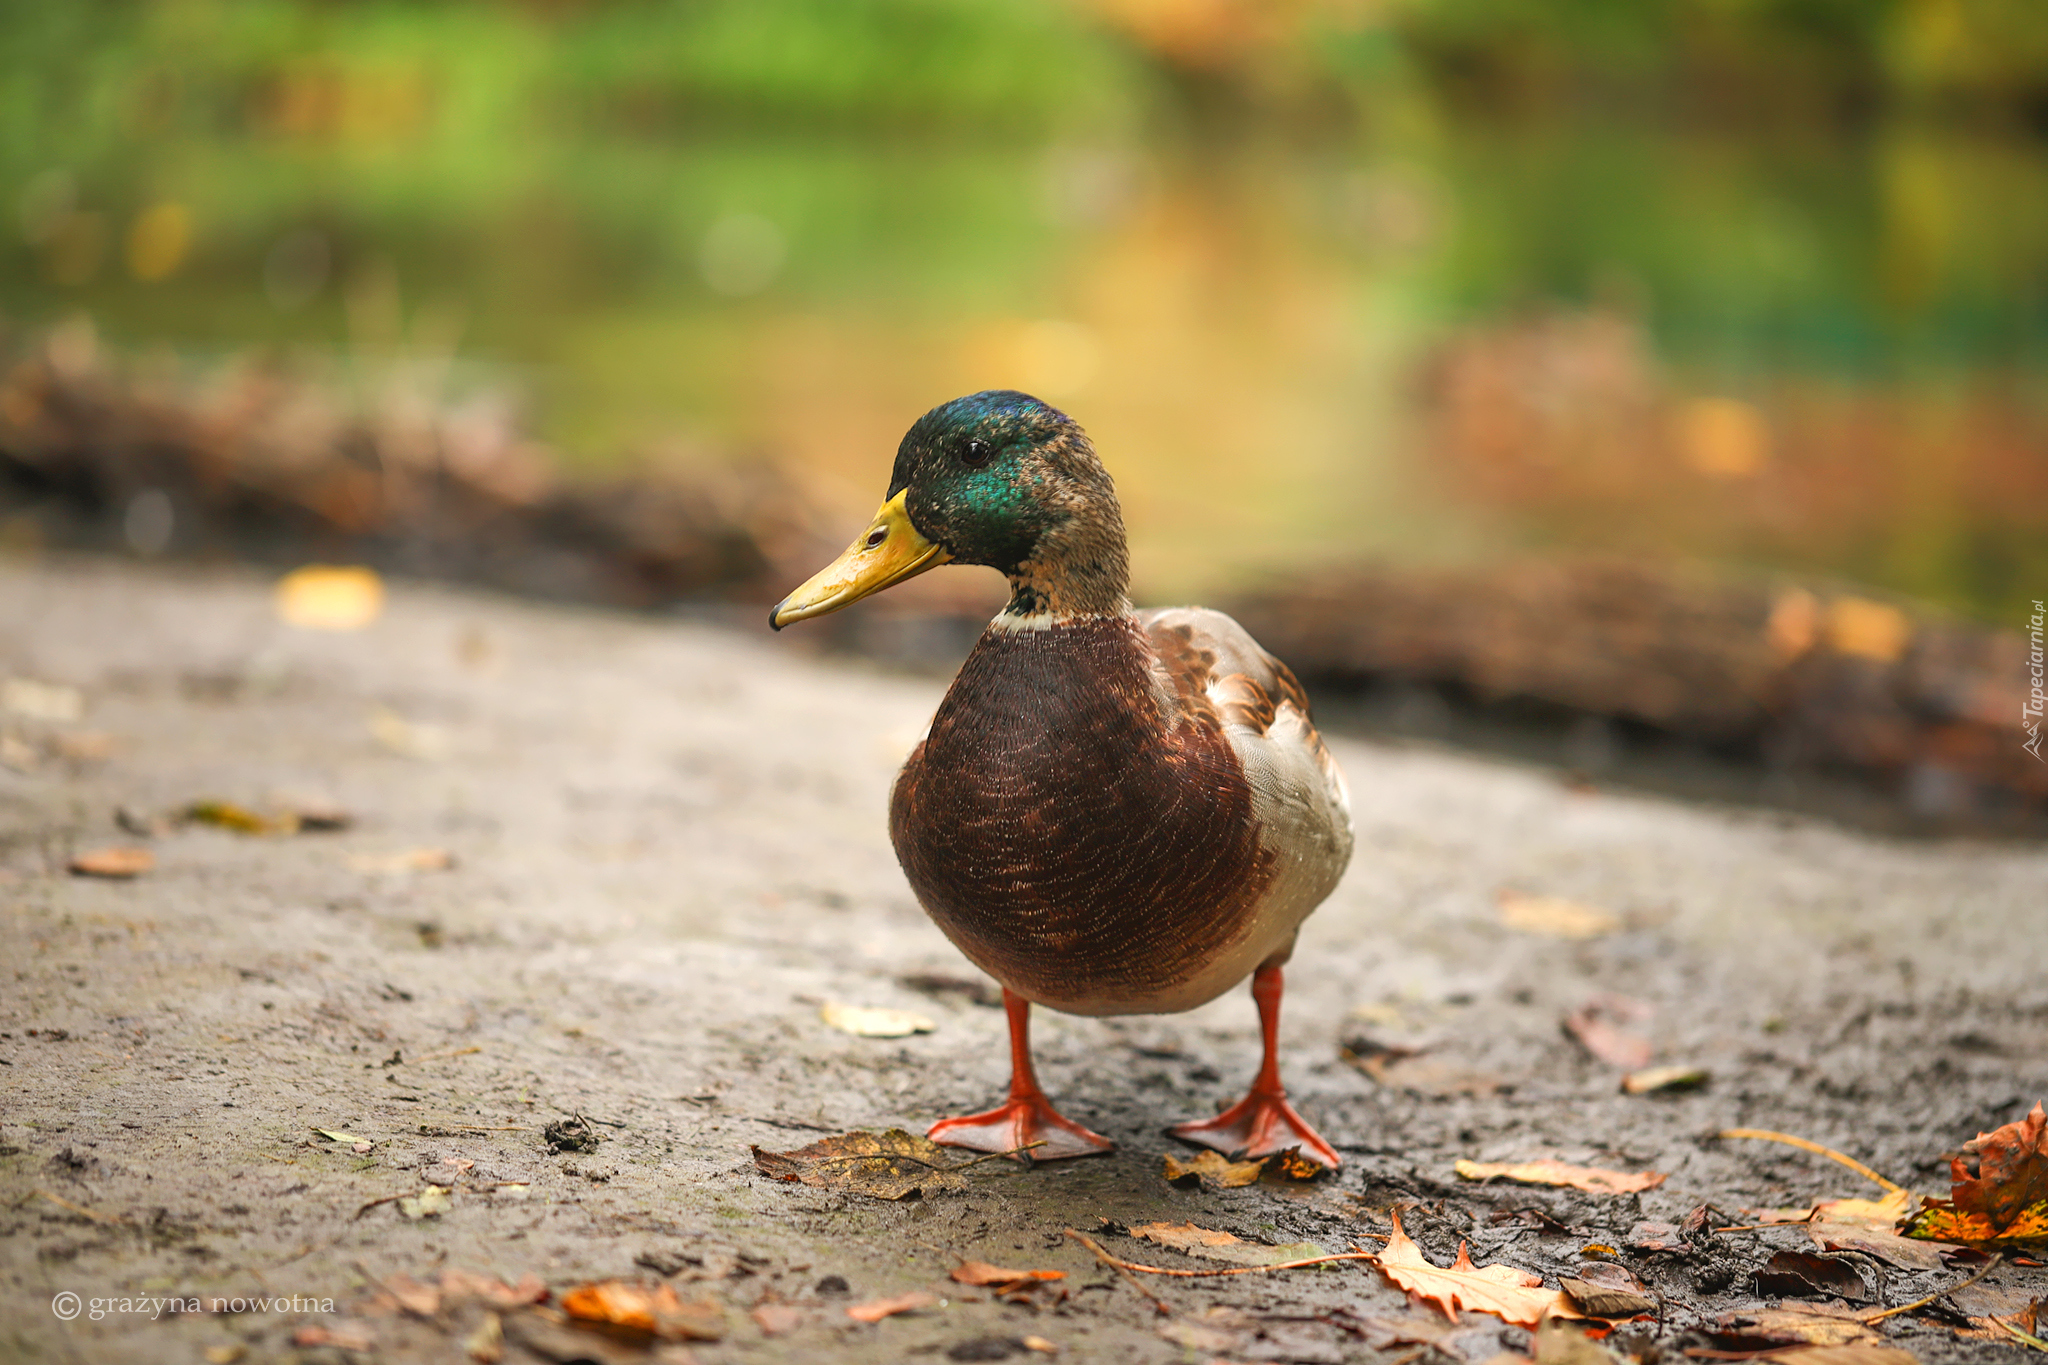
{"x": 1212, "y": 665}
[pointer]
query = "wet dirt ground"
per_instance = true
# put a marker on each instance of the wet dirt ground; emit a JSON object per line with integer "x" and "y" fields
{"x": 665, "y": 847}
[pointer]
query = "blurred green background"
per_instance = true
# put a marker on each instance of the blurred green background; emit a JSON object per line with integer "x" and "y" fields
{"x": 1759, "y": 282}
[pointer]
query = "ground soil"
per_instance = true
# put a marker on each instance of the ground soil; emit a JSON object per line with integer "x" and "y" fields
{"x": 667, "y": 847}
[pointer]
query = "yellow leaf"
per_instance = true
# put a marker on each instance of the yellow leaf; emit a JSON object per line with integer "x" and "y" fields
{"x": 1554, "y": 916}
{"x": 864, "y": 1022}
{"x": 1212, "y": 1169}
{"x": 330, "y": 597}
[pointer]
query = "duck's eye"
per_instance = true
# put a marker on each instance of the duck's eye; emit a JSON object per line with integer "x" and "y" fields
{"x": 875, "y": 537}
{"x": 975, "y": 453}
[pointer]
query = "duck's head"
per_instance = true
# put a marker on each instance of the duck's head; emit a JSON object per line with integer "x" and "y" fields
{"x": 995, "y": 478}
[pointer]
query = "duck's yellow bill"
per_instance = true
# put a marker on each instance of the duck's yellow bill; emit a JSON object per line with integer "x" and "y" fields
{"x": 888, "y": 552}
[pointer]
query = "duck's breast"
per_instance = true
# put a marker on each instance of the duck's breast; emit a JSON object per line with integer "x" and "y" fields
{"x": 1083, "y": 828}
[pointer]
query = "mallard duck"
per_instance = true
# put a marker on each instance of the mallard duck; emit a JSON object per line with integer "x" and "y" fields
{"x": 1115, "y": 811}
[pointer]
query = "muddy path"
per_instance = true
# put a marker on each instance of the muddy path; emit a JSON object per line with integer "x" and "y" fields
{"x": 610, "y": 866}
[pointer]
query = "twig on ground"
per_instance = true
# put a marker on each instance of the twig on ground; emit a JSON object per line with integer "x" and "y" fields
{"x": 1804, "y": 1145}
{"x": 437, "y": 1056}
{"x": 80, "y": 1209}
{"x": 1982, "y": 1271}
{"x": 1118, "y": 1266}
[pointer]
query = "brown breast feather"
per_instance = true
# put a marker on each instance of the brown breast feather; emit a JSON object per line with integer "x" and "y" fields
{"x": 1079, "y": 841}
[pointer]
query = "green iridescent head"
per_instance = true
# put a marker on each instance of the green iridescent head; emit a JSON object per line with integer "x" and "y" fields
{"x": 995, "y": 478}
{"x": 992, "y": 475}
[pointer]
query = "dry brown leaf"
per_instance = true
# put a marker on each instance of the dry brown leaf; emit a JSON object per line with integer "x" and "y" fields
{"x": 865, "y": 1022}
{"x": 486, "y": 1345}
{"x": 874, "y": 1310}
{"x": 459, "y": 1286}
{"x": 1513, "y": 1295}
{"x": 1291, "y": 1164}
{"x": 1403, "y": 1069}
{"x": 645, "y": 1309}
{"x": 1214, "y": 1245}
{"x": 118, "y": 862}
{"x": 982, "y": 1273}
{"x": 1214, "y": 1170}
{"x": 1904, "y": 1252}
{"x": 1862, "y": 1353}
{"x": 1554, "y": 916}
{"x": 887, "y": 1165}
{"x": 421, "y": 1300}
{"x": 1793, "y": 1326}
{"x": 1601, "y": 1027}
{"x": 1591, "y": 1179}
{"x": 1999, "y": 1189}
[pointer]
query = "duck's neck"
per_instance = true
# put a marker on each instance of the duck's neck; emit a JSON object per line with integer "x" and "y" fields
{"x": 1078, "y": 569}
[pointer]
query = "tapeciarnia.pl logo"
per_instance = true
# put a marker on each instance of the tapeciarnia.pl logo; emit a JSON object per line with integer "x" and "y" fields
{"x": 2037, "y": 698}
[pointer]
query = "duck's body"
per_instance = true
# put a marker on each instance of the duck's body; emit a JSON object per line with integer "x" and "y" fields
{"x": 1121, "y": 814}
{"x": 1114, "y": 812}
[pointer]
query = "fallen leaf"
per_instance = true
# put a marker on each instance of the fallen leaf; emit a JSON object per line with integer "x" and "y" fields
{"x": 1290, "y": 1164}
{"x": 1872, "y": 1213}
{"x": 865, "y": 1022}
{"x": 330, "y": 597}
{"x": 350, "y": 1140}
{"x": 1039, "y": 1344}
{"x": 487, "y": 1343}
{"x": 777, "y": 1319}
{"x": 240, "y": 819}
{"x": 41, "y": 700}
{"x": 1608, "y": 1290}
{"x": 887, "y": 1165}
{"x": 118, "y": 862}
{"x": 421, "y": 1300}
{"x": 646, "y": 1309}
{"x": 1792, "y": 1325}
{"x": 1805, "y": 1274}
{"x": 982, "y": 1273}
{"x": 225, "y": 1355}
{"x": 1999, "y": 1189}
{"x": 1649, "y": 1235}
{"x": 1907, "y": 1253}
{"x": 1405, "y": 1069}
{"x": 1600, "y": 1026}
{"x": 1591, "y": 1179}
{"x": 1559, "y": 1343}
{"x": 461, "y": 1286}
{"x": 1554, "y": 916}
{"x": 1213, "y": 1245}
{"x": 411, "y": 860}
{"x": 1196, "y": 1336}
{"x": 1652, "y": 1079}
{"x": 430, "y": 1202}
{"x": 1861, "y": 1353}
{"x": 874, "y": 1310}
{"x": 1214, "y": 1170}
{"x": 1513, "y": 1295}
{"x": 345, "y": 1337}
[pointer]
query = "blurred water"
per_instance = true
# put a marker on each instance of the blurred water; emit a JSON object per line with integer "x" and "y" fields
{"x": 1414, "y": 334}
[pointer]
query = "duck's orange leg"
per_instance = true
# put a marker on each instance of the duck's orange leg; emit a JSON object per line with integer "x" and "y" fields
{"x": 1263, "y": 1122}
{"x": 1027, "y": 1116}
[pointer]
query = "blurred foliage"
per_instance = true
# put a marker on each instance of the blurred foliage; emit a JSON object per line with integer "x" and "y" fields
{"x": 1227, "y": 229}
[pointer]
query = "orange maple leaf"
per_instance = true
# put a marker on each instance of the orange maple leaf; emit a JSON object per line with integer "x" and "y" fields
{"x": 1514, "y": 1295}
{"x": 2000, "y": 1188}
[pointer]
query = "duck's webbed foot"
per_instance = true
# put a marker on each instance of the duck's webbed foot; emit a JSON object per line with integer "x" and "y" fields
{"x": 1263, "y": 1122}
{"x": 1260, "y": 1124}
{"x": 1019, "y": 1122}
{"x": 1025, "y": 1118}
